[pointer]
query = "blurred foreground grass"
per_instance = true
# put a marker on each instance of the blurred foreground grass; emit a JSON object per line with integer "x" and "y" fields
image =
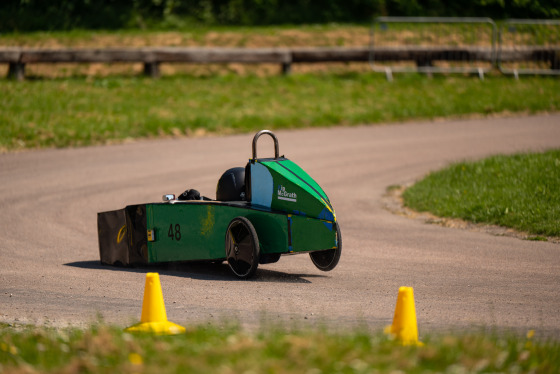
{"x": 203, "y": 349}
{"x": 95, "y": 110}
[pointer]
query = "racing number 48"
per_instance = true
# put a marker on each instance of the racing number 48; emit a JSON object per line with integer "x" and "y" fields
{"x": 174, "y": 232}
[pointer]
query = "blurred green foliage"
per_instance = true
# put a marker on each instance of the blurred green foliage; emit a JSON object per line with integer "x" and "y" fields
{"x": 29, "y": 15}
{"x": 74, "y": 111}
{"x": 231, "y": 349}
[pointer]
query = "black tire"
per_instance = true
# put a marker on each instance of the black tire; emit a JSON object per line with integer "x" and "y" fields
{"x": 242, "y": 248}
{"x": 328, "y": 259}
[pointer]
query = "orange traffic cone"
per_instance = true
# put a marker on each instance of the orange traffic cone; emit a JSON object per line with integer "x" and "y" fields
{"x": 405, "y": 327}
{"x": 154, "y": 317}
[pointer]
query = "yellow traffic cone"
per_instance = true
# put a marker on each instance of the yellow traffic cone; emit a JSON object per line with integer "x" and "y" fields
{"x": 404, "y": 326}
{"x": 154, "y": 317}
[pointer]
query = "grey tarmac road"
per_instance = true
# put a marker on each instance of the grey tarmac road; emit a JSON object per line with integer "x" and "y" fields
{"x": 50, "y": 272}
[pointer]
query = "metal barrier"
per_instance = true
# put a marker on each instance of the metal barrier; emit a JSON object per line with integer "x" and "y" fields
{"x": 432, "y": 45}
{"x": 529, "y": 47}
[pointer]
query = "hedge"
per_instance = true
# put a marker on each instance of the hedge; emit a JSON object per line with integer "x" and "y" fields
{"x": 30, "y": 15}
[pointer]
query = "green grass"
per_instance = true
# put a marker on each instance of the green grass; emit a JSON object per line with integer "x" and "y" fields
{"x": 103, "y": 349}
{"x": 520, "y": 191}
{"x": 83, "y": 111}
{"x": 96, "y": 104}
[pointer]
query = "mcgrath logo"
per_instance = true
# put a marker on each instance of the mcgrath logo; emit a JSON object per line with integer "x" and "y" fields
{"x": 285, "y": 195}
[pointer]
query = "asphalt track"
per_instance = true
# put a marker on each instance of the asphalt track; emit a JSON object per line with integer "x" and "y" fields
{"x": 50, "y": 272}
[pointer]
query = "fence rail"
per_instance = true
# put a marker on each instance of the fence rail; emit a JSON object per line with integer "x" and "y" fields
{"x": 456, "y": 45}
{"x": 17, "y": 58}
{"x": 406, "y": 49}
{"x": 539, "y": 38}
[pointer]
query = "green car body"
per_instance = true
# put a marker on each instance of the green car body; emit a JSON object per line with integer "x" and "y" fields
{"x": 289, "y": 212}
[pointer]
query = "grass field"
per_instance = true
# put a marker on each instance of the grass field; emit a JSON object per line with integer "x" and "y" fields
{"x": 83, "y": 111}
{"x": 103, "y": 349}
{"x": 520, "y": 191}
{"x": 64, "y": 105}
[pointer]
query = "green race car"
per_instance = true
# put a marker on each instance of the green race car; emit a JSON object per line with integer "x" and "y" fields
{"x": 262, "y": 211}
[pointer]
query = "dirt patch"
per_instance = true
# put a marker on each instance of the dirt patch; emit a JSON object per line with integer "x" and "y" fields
{"x": 393, "y": 201}
{"x": 348, "y": 36}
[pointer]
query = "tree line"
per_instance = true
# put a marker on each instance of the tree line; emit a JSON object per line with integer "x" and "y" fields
{"x": 30, "y": 15}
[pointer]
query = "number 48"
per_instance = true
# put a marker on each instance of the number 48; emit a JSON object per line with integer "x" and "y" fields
{"x": 174, "y": 232}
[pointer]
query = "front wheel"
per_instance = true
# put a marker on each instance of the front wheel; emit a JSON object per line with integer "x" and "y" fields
{"x": 242, "y": 248}
{"x": 328, "y": 259}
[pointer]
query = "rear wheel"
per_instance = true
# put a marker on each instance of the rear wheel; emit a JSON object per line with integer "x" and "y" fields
{"x": 242, "y": 248}
{"x": 328, "y": 259}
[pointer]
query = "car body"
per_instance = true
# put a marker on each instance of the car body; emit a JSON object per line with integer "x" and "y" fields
{"x": 274, "y": 208}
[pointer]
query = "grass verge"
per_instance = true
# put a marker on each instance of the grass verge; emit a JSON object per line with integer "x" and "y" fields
{"x": 520, "y": 191}
{"x": 83, "y": 111}
{"x": 102, "y": 349}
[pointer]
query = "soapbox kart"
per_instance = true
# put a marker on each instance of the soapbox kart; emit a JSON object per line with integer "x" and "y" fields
{"x": 270, "y": 207}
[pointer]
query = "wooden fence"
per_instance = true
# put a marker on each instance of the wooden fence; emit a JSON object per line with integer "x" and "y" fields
{"x": 17, "y": 58}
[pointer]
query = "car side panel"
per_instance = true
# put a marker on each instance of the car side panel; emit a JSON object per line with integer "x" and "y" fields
{"x": 196, "y": 230}
{"x": 312, "y": 234}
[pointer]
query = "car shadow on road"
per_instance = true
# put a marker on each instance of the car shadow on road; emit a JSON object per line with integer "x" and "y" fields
{"x": 201, "y": 271}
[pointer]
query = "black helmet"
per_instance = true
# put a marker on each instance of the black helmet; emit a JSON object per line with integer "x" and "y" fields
{"x": 231, "y": 186}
